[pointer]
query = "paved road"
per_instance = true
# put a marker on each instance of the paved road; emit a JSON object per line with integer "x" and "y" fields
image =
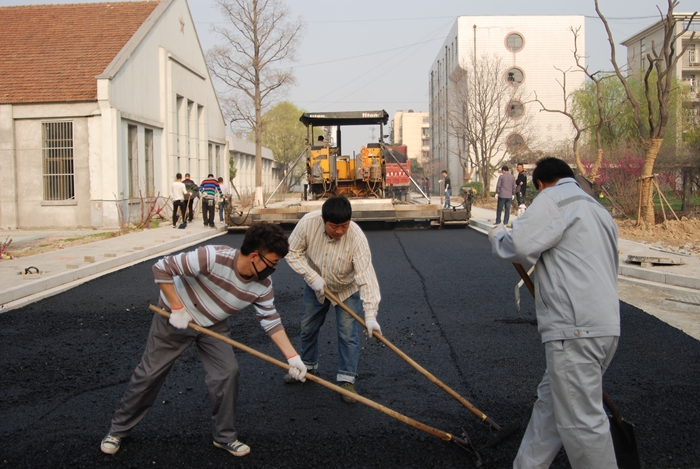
{"x": 66, "y": 359}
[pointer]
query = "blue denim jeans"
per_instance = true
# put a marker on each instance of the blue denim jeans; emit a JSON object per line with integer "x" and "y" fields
{"x": 313, "y": 316}
{"x": 448, "y": 194}
{"x": 501, "y": 202}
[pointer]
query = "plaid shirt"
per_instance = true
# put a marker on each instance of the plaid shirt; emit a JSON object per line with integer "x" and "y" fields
{"x": 344, "y": 264}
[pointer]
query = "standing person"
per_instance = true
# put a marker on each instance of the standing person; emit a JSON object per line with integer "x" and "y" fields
{"x": 521, "y": 184}
{"x": 572, "y": 240}
{"x": 329, "y": 250}
{"x": 178, "y": 192}
{"x": 321, "y": 142}
{"x": 505, "y": 190}
{"x": 225, "y": 198}
{"x": 427, "y": 187}
{"x": 209, "y": 189}
{"x": 448, "y": 188}
{"x": 192, "y": 193}
{"x": 206, "y": 286}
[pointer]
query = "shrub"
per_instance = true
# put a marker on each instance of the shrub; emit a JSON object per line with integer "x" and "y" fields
{"x": 477, "y": 186}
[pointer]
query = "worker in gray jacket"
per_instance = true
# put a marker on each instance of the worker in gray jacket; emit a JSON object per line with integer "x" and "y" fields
{"x": 572, "y": 240}
{"x": 505, "y": 190}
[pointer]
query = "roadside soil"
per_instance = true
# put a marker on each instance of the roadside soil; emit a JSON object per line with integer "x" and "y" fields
{"x": 683, "y": 235}
{"x": 54, "y": 241}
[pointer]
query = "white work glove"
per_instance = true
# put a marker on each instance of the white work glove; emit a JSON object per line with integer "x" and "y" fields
{"x": 372, "y": 326}
{"x": 496, "y": 229}
{"x": 297, "y": 368}
{"x": 495, "y": 196}
{"x": 179, "y": 318}
{"x": 318, "y": 285}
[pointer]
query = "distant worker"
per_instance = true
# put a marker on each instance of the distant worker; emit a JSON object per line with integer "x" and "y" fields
{"x": 448, "y": 188}
{"x": 521, "y": 184}
{"x": 329, "y": 250}
{"x": 505, "y": 191}
{"x": 209, "y": 189}
{"x": 321, "y": 142}
{"x": 178, "y": 193}
{"x": 427, "y": 187}
{"x": 225, "y": 198}
{"x": 572, "y": 241}
{"x": 192, "y": 193}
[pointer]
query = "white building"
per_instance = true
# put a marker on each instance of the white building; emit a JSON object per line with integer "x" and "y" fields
{"x": 243, "y": 154}
{"x": 101, "y": 104}
{"x": 688, "y": 68}
{"x": 413, "y": 130}
{"x": 530, "y": 48}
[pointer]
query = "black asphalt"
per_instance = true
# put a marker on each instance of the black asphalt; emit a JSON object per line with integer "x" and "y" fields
{"x": 445, "y": 302}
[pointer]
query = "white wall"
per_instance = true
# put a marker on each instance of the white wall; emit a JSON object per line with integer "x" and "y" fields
{"x": 548, "y": 43}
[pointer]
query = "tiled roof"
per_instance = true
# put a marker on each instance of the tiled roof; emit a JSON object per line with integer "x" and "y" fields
{"x": 52, "y": 53}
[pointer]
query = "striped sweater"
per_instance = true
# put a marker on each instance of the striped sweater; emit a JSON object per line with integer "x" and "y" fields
{"x": 209, "y": 187}
{"x": 209, "y": 285}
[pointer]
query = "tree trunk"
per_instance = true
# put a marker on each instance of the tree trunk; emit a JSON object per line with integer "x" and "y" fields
{"x": 258, "y": 200}
{"x": 651, "y": 150}
{"x": 687, "y": 186}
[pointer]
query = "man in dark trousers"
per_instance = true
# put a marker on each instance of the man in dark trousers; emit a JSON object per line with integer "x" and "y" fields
{"x": 192, "y": 193}
{"x": 205, "y": 287}
{"x": 209, "y": 188}
{"x": 505, "y": 190}
{"x": 572, "y": 241}
{"x": 521, "y": 184}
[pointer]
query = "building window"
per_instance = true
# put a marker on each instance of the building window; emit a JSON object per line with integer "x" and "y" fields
{"x": 515, "y": 76}
{"x": 150, "y": 178}
{"x": 217, "y": 159}
{"x": 58, "y": 175}
{"x": 179, "y": 127}
{"x": 515, "y": 109}
{"x": 515, "y": 143}
{"x": 692, "y": 56}
{"x": 514, "y": 42}
{"x": 643, "y": 52}
{"x": 132, "y": 146}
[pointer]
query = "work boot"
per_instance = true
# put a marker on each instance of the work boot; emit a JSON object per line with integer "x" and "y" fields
{"x": 110, "y": 444}
{"x": 289, "y": 380}
{"x": 348, "y": 387}
{"x": 237, "y": 448}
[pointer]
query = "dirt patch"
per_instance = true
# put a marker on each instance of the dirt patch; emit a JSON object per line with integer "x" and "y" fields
{"x": 54, "y": 242}
{"x": 682, "y": 236}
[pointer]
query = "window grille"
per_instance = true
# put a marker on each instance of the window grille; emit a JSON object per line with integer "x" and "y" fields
{"x": 133, "y": 160}
{"x": 150, "y": 179}
{"x": 58, "y": 169}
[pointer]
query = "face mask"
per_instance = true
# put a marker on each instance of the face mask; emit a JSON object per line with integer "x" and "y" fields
{"x": 266, "y": 272}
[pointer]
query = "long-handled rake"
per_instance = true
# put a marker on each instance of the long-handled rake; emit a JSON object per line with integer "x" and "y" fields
{"x": 500, "y": 432}
{"x": 463, "y": 443}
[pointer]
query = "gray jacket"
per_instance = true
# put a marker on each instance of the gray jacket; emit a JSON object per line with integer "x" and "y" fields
{"x": 505, "y": 187}
{"x": 573, "y": 241}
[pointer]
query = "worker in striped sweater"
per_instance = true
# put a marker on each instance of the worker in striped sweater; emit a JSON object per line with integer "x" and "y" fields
{"x": 208, "y": 188}
{"x": 205, "y": 287}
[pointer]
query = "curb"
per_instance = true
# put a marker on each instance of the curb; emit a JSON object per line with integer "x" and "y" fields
{"x": 84, "y": 270}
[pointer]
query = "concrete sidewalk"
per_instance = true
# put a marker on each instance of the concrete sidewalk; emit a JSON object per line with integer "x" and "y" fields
{"x": 63, "y": 269}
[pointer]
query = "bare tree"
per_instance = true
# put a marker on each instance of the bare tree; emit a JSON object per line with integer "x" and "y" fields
{"x": 662, "y": 61}
{"x": 595, "y": 77}
{"x": 258, "y": 41}
{"x": 482, "y": 110}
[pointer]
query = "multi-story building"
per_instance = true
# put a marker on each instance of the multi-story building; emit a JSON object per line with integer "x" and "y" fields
{"x": 413, "y": 130}
{"x": 533, "y": 51}
{"x": 688, "y": 68}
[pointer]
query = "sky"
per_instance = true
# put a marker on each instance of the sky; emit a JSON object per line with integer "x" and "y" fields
{"x": 377, "y": 54}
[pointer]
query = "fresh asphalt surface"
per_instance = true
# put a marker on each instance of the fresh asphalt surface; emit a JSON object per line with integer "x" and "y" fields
{"x": 445, "y": 302}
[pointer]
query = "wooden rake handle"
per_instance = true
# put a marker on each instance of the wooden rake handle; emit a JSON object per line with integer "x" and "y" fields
{"x": 479, "y": 414}
{"x": 392, "y": 413}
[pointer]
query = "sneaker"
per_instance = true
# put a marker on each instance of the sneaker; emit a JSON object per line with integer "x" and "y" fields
{"x": 237, "y": 448}
{"x": 289, "y": 380}
{"x": 110, "y": 444}
{"x": 348, "y": 387}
